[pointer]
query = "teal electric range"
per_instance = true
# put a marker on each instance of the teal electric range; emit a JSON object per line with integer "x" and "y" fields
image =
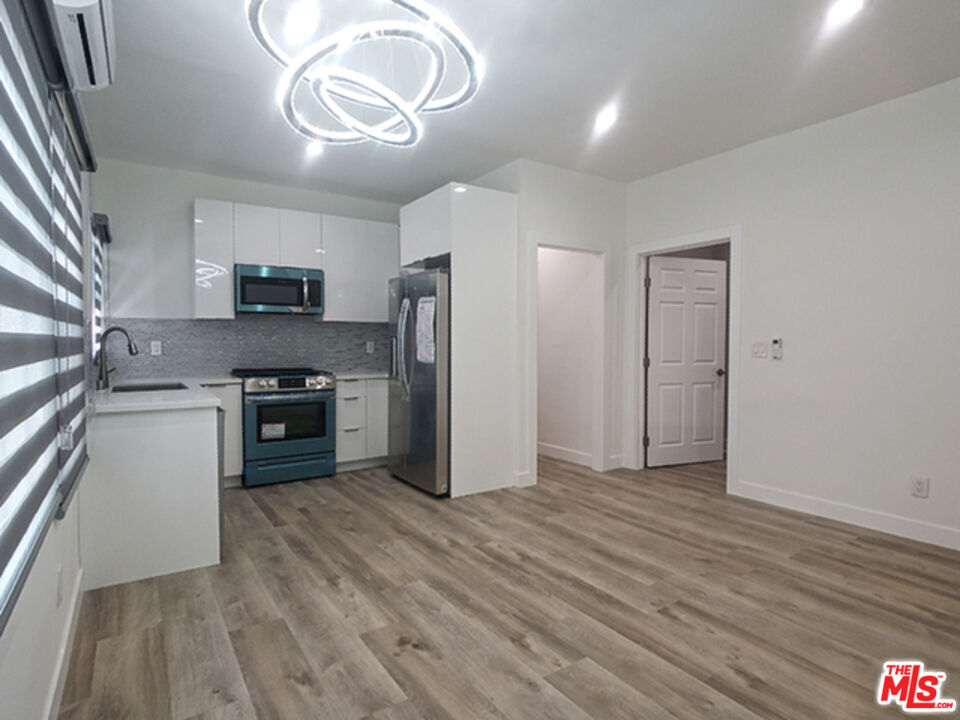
{"x": 289, "y": 424}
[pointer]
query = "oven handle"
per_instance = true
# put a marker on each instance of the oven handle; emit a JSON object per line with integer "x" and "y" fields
{"x": 289, "y": 397}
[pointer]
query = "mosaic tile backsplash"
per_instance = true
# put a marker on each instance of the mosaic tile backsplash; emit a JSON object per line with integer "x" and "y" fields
{"x": 211, "y": 348}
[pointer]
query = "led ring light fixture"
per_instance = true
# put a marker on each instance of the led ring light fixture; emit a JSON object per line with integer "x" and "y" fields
{"x": 330, "y": 85}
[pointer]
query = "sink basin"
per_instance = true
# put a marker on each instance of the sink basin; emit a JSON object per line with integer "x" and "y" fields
{"x": 149, "y": 387}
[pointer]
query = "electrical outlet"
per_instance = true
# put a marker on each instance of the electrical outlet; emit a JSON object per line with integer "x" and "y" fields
{"x": 369, "y": 347}
{"x": 920, "y": 487}
{"x": 156, "y": 347}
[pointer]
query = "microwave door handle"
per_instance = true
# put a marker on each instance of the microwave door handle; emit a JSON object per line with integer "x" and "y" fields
{"x": 306, "y": 294}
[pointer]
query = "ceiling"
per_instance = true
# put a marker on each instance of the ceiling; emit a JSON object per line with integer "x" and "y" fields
{"x": 691, "y": 78}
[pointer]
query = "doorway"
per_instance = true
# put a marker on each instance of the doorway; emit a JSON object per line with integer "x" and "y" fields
{"x": 635, "y": 329}
{"x": 570, "y": 337}
{"x": 687, "y": 355}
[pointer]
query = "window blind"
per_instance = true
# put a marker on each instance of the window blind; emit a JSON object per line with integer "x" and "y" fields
{"x": 42, "y": 368}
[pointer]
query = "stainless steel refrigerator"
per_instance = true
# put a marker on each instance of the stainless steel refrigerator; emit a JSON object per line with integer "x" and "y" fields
{"x": 419, "y": 431}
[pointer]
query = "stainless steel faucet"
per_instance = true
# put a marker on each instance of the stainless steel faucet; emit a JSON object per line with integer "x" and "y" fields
{"x": 103, "y": 381}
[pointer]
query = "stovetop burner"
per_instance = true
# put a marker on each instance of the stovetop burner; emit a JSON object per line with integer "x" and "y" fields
{"x": 276, "y": 372}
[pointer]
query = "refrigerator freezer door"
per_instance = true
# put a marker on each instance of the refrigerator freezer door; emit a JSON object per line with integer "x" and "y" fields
{"x": 399, "y": 403}
{"x": 426, "y": 354}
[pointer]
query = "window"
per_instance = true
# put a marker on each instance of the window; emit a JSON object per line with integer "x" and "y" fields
{"x": 42, "y": 363}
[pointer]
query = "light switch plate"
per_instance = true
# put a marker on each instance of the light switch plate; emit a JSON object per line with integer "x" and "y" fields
{"x": 156, "y": 347}
{"x": 760, "y": 349}
{"x": 370, "y": 347}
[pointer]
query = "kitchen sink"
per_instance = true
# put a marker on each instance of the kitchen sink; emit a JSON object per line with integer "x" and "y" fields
{"x": 149, "y": 387}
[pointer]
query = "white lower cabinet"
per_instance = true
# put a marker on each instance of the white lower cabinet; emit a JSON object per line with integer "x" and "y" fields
{"x": 361, "y": 420}
{"x": 377, "y": 416}
{"x": 231, "y": 401}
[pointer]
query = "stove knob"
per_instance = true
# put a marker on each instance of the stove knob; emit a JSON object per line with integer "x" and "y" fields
{"x": 273, "y": 383}
{"x": 311, "y": 382}
{"x": 262, "y": 383}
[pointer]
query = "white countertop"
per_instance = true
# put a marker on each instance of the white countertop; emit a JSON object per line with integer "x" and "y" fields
{"x": 224, "y": 380}
{"x": 193, "y": 397}
{"x": 369, "y": 375}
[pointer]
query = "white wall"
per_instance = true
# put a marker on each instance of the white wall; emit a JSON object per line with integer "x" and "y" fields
{"x": 569, "y": 354}
{"x": 563, "y": 208}
{"x": 33, "y": 646}
{"x": 151, "y": 220}
{"x": 850, "y": 236}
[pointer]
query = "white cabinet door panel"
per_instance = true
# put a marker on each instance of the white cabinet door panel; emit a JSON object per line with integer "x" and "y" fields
{"x": 257, "y": 235}
{"x": 301, "y": 239}
{"x": 213, "y": 259}
{"x": 232, "y": 403}
{"x": 360, "y": 257}
{"x": 377, "y": 418}
{"x": 425, "y": 226}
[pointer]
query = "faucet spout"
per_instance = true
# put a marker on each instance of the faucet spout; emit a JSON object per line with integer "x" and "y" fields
{"x": 103, "y": 381}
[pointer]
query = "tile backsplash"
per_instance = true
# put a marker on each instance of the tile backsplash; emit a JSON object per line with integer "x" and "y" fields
{"x": 211, "y": 348}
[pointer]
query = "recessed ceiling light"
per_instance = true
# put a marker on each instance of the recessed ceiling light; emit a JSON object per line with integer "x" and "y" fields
{"x": 842, "y": 12}
{"x": 314, "y": 149}
{"x": 301, "y": 22}
{"x": 606, "y": 119}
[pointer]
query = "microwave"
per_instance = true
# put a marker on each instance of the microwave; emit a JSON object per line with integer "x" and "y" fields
{"x": 268, "y": 289}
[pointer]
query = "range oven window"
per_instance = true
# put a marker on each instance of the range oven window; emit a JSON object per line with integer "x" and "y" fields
{"x": 287, "y": 292}
{"x": 293, "y": 421}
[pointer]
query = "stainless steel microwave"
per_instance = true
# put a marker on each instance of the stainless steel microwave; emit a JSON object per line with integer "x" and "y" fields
{"x": 267, "y": 289}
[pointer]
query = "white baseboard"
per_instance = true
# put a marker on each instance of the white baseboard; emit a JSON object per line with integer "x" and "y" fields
{"x": 932, "y": 533}
{"x": 525, "y": 479}
{"x": 66, "y": 650}
{"x": 566, "y": 454}
{"x": 233, "y": 481}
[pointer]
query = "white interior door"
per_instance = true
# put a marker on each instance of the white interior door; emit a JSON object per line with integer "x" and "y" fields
{"x": 686, "y": 343}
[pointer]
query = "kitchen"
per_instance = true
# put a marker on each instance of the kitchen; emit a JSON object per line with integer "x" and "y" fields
{"x": 327, "y": 331}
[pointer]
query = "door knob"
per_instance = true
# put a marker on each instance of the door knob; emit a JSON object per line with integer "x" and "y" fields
{"x": 721, "y": 372}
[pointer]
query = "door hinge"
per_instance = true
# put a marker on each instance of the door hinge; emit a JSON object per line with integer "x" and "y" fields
{"x": 646, "y": 282}
{"x": 646, "y": 362}
{"x": 646, "y": 441}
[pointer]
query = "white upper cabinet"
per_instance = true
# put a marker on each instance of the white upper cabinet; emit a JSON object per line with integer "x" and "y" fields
{"x": 257, "y": 235}
{"x": 213, "y": 259}
{"x": 301, "y": 239}
{"x": 359, "y": 258}
{"x": 425, "y": 226}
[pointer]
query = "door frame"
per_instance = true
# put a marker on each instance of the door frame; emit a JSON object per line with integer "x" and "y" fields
{"x": 636, "y": 332}
{"x": 598, "y": 358}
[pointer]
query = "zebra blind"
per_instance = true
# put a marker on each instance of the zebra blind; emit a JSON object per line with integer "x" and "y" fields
{"x": 98, "y": 300}
{"x": 42, "y": 368}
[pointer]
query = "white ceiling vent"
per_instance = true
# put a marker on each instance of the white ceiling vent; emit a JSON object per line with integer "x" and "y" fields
{"x": 86, "y": 30}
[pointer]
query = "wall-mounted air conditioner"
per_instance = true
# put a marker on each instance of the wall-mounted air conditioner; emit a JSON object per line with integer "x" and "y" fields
{"x": 86, "y": 31}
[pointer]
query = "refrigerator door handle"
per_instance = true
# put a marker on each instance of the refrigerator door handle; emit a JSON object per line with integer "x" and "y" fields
{"x": 402, "y": 344}
{"x": 393, "y": 357}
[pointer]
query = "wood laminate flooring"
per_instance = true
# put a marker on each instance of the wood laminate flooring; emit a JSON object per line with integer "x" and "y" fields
{"x": 625, "y": 595}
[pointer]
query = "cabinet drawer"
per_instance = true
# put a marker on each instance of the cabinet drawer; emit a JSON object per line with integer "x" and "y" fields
{"x": 351, "y": 445}
{"x": 351, "y": 412}
{"x": 351, "y": 388}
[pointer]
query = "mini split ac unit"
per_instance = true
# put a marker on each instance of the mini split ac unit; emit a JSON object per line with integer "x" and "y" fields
{"x": 86, "y": 32}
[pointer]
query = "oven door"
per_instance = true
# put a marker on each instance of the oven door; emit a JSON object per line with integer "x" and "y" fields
{"x": 277, "y": 425}
{"x": 265, "y": 289}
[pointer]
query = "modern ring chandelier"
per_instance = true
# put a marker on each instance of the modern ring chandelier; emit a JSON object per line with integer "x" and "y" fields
{"x": 333, "y": 86}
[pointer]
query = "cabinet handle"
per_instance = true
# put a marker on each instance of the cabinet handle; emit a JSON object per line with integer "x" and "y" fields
{"x": 352, "y": 397}
{"x": 351, "y": 429}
